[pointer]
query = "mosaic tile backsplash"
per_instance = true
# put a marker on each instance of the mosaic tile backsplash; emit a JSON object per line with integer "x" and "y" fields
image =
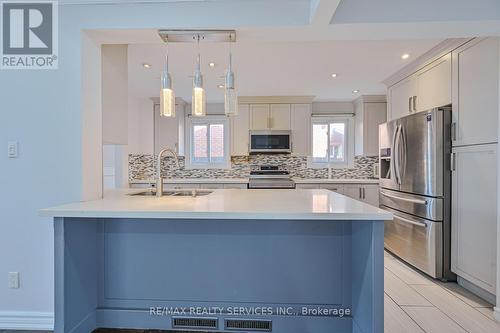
{"x": 142, "y": 167}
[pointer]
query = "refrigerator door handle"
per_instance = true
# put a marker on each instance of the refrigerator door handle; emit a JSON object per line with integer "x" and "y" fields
{"x": 397, "y": 157}
{"x": 420, "y": 224}
{"x": 417, "y": 201}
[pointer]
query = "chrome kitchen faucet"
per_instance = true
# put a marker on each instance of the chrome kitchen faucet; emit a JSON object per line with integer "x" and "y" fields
{"x": 159, "y": 178}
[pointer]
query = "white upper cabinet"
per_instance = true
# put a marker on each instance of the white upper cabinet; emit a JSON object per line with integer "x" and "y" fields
{"x": 270, "y": 116}
{"x": 475, "y": 92}
{"x": 369, "y": 114}
{"x": 400, "y": 98}
{"x": 301, "y": 129}
{"x": 434, "y": 85}
{"x": 169, "y": 131}
{"x": 240, "y": 126}
{"x": 474, "y": 215}
{"x": 259, "y": 114}
{"x": 427, "y": 88}
{"x": 280, "y": 117}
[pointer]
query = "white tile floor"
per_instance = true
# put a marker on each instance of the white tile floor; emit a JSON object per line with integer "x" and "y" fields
{"x": 416, "y": 303}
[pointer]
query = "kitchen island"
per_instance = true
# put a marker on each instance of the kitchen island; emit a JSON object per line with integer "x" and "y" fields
{"x": 285, "y": 261}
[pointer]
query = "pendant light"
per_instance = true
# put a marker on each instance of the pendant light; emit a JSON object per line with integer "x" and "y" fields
{"x": 198, "y": 99}
{"x": 230, "y": 94}
{"x": 167, "y": 95}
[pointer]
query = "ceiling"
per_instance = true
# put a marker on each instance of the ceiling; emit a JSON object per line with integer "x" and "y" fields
{"x": 276, "y": 69}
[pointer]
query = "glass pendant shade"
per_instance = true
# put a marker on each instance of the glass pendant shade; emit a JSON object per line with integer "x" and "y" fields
{"x": 167, "y": 95}
{"x": 198, "y": 99}
{"x": 230, "y": 94}
{"x": 167, "y": 103}
{"x": 231, "y": 102}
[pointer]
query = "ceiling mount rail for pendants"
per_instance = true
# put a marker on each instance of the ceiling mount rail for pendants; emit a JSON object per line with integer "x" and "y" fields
{"x": 192, "y": 36}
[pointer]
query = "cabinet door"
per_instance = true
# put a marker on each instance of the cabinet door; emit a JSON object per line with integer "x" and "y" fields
{"x": 280, "y": 117}
{"x": 353, "y": 191}
{"x": 399, "y": 97}
{"x": 474, "y": 215}
{"x": 259, "y": 114}
{"x": 339, "y": 188}
{"x": 374, "y": 115}
{"x": 434, "y": 84}
{"x": 240, "y": 126}
{"x": 370, "y": 195}
{"x": 475, "y": 92}
{"x": 301, "y": 129}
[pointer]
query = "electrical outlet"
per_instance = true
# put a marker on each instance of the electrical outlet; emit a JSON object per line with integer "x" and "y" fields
{"x": 12, "y": 149}
{"x": 13, "y": 280}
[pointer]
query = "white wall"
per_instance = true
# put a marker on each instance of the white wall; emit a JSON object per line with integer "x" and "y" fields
{"x": 114, "y": 94}
{"x": 56, "y": 118}
{"x": 332, "y": 107}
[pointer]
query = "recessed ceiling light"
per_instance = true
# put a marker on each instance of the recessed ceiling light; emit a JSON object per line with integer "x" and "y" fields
{"x": 355, "y": 91}
{"x": 211, "y": 64}
{"x": 405, "y": 56}
{"x": 146, "y": 65}
{"x": 334, "y": 74}
{"x": 220, "y": 86}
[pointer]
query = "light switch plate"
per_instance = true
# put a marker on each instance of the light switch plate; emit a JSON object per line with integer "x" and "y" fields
{"x": 14, "y": 280}
{"x": 12, "y": 149}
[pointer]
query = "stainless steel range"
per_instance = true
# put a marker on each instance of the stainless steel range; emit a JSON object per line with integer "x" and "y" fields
{"x": 270, "y": 177}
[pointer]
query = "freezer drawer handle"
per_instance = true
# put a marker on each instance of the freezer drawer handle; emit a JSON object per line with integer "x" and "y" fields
{"x": 417, "y": 201}
{"x": 420, "y": 224}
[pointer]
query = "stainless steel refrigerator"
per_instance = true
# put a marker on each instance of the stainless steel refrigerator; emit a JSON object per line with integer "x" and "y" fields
{"x": 415, "y": 185}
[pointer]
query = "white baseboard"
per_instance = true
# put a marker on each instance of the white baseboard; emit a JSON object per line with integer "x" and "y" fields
{"x": 17, "y": 320}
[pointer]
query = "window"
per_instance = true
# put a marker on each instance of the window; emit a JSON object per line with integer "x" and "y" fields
{"x": 208, "y": 143}
{"x": 332, "y": 143}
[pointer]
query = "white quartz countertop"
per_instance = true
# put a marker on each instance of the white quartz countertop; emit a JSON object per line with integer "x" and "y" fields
{"x": 225, "y": 204}
{"x": 334, "y": 181}
{"x": 245, "y": 180}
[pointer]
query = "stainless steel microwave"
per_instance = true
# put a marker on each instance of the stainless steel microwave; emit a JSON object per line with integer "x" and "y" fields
{"x": 270, "y": 142}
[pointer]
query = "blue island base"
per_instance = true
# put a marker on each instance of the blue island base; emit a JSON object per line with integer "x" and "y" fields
{"x": 280, "y": 276}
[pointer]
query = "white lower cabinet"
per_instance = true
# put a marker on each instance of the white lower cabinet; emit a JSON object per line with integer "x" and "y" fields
{"x": 474, "y": 215}
{"x": 339, "y": 188}
{"x": 367, "y": 193}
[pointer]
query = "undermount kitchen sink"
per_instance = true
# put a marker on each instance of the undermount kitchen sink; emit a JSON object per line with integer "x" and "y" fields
{"x": 174, "y": 193}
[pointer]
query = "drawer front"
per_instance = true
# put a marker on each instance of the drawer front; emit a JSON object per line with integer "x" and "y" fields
{"x": 307, "y": 186}
{"x": 339, "y": 188}
{"x": 181, "y": 186}
{"x": 236, "y": 186}
{"x": 425, "y": 207}
{"x": 415, "y": 240}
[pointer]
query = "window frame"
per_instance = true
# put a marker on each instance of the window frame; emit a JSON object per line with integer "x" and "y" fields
{"x": 207, "y": 120}
{"x": 348, "y": 142}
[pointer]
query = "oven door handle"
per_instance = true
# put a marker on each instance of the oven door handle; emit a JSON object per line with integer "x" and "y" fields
{"x": 417, "y": 201}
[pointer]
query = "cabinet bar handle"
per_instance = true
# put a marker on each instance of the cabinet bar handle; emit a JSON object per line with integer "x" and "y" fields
{"x": 409, "y": 104}
{"x": 414, "y": 103}
{"x": 360, "y": 195}
{"x": 454, "y": 131}
{"x": 452, "y": 162}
